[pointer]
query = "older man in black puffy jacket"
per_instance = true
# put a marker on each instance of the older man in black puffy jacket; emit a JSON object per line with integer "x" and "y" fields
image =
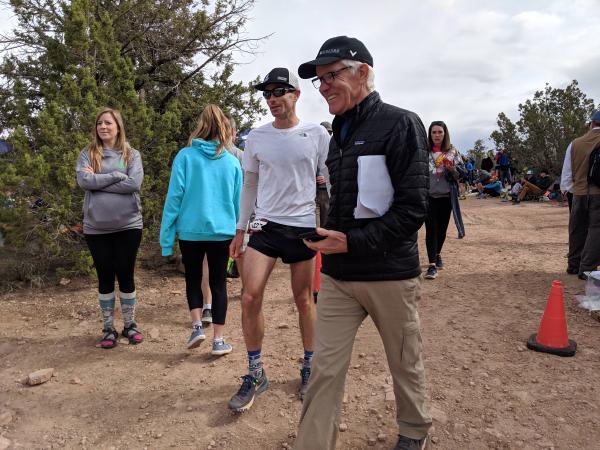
{"x": 378, "y": 170}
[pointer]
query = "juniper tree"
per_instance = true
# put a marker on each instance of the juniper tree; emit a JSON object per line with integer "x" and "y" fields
{"x": 547, "y": 123}
{"x": 158, "y": 62}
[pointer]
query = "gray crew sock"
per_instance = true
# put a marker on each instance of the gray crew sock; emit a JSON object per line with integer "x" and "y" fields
{"x": 107, "y": 307}
{"x": 255, "y": 366}
{"x": 127, "y": 307}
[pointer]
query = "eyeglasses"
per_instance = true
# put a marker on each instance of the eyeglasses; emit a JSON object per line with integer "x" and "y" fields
{"x": 277, "y": 92}
{"x": 327, "y": 78}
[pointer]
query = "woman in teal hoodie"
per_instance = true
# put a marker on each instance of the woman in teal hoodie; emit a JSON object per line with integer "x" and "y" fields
{"x": 202, "y": 208}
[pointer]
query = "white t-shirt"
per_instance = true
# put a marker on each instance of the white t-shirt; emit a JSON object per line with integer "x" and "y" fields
{"x": 287, "y": 161}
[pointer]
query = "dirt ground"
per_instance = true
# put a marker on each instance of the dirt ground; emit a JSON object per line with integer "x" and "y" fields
{"x": 485, "y": 389}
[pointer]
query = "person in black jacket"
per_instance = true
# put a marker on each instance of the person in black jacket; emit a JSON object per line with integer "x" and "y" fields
{"x": 487, "y": 163}
{"x": 379, "y": 182}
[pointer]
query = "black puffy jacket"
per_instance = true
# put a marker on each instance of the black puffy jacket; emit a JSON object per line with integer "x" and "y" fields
{"x": 383, "y": 248}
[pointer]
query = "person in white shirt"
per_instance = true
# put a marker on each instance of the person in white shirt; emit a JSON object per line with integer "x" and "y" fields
{"x": 281, "y": 160}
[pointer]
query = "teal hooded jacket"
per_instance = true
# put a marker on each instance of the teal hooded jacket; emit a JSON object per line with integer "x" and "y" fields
{"x": 203, "y": 200}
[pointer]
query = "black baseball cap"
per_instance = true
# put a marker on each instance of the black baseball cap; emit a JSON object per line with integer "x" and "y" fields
{"x": 334, "y": 49}
{"x": 279, "y": 75}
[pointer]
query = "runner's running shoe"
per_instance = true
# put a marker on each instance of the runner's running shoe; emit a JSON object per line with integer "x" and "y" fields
{"x": 304, "y": 377}
{"x": 251, "y": 387}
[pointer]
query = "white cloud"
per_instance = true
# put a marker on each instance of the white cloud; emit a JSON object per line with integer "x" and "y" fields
{"x": 462, "y": 61}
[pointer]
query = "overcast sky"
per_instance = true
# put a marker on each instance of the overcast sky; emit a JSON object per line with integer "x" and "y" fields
{"x": 461, "y": 61}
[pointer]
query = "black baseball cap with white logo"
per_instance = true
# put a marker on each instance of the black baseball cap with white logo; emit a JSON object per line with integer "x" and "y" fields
{"x": 279, "y": 75}
{"x": 334, "y": 49}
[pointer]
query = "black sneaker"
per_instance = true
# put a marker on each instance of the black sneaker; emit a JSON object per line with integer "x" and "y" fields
{"x": 304, "y": 377}
{"x": 251, "y": 387}
{"x": 439, "y": 264}
{"x": 572, "y": 271}
{"x": 431, "y": 273}
{"x": 582, "y": 276}
{"x": 206, "y": 318}
{"x": 406, "y": 443}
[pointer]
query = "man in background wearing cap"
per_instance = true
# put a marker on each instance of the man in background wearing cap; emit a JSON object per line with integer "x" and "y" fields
{"x": 371, "y": 260}
{"x": 281, "y": 160}
{"x": 584, "y": 223}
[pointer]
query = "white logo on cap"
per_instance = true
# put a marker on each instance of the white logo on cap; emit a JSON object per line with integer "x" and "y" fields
{"x": 331, "y": 50}
{"x": 282, "y": 78}
{"x": 352, "y": 53}
{"x": 266, "y": 78}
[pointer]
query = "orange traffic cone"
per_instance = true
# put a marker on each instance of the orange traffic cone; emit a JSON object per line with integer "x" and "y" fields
{"x": 552, "y": 336}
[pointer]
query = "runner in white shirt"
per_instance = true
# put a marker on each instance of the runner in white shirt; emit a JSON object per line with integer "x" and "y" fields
{"x": 280, "y": 162}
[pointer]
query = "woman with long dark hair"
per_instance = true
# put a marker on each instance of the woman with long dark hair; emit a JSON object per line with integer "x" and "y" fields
{"x": 111, "y": 173}
{"x": 202, "y": 209}
{"x": 443, "y": 158}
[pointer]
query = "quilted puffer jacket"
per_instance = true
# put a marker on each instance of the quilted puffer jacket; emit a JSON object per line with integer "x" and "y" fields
{"x": 385, "y": 247}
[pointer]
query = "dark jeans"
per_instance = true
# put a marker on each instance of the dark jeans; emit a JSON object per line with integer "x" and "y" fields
{"x": 217, "y": 254}
{"x": 436, "y": 225}
{"x": 505, "y": 175}
{"x": 584, "y": 233}
{"x": 114, "y": 254}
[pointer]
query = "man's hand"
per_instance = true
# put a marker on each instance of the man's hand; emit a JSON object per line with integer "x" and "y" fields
{"x": 235, "y": 248}
{"x": 335, "y": 242}
{"x": 321, "y": 179}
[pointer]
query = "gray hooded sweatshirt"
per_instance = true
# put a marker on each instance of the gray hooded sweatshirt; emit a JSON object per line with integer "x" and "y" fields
{"x": 112, "y": 197}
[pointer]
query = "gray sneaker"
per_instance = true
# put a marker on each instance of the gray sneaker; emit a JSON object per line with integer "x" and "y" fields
{"x": 304, "y": 377}
{"x": 196, "y": 337}
{"x": 206, "y": 317}
{"x": 221, "y": 348}
{"x": 251, "y": 387}
{"x": 406, "y": 443}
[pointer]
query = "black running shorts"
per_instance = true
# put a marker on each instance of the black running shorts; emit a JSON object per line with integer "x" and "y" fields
{"x": 281, "y": 241}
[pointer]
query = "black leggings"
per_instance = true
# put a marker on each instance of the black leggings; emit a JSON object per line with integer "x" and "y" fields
{"x": 217, "y": 254}
{"x": 114, "y": 255}
{"x": 436, "y": 225}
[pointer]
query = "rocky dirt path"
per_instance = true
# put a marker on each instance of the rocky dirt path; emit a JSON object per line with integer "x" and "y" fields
{"x": 486, "y": 390}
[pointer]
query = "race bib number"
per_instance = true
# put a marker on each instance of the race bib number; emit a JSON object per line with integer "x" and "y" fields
{"x": 256, "y": 225}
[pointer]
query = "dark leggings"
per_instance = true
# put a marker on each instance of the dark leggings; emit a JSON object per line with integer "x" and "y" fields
{"x": 436, "y": 225}
{"x": 217, "y": 254}
{"x": 114, "y": 255}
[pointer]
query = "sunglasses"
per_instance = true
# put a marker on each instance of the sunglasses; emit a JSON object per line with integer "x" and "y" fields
{"x": 277, "y": 92}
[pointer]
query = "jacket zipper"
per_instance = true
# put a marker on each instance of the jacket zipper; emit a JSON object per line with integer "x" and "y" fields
{"x": 339, "y": 173}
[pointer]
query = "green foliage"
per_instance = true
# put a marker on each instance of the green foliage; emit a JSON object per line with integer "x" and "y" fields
{"x": 158, "y": 62}
{"x": 478, "y": 152}
{"x": 547, "y": 124}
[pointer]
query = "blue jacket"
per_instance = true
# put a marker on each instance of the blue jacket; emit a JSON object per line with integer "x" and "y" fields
{"x": 203, "y": 200}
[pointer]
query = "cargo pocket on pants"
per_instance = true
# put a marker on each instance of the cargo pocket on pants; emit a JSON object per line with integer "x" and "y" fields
{"x": 412, "y": 352}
